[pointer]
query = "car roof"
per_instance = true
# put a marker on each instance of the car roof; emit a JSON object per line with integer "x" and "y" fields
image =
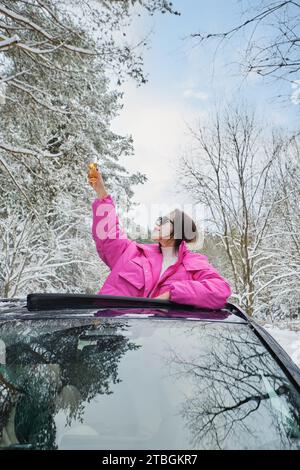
{"x": 61, "y": 307}
{"x": 56, "y": 306}
{"x": 134, "y": 370}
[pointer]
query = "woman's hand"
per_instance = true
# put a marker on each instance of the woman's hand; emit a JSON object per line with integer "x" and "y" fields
{"x": 164, "y": 296}
{"x": 96, "y": 181}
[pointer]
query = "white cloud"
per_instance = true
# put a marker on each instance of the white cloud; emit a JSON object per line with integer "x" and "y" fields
{"x": 158, "y": 126}
{"x": 156, "y": 119}
{"x": 199, "y": 95}
{"x": 252, "y": 76}
{"x": 295, "y": 96}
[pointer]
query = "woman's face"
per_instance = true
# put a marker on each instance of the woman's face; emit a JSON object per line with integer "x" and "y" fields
{"x": 163, "y": 228}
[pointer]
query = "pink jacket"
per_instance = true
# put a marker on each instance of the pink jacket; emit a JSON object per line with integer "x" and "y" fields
{"x": 135, "y": 267}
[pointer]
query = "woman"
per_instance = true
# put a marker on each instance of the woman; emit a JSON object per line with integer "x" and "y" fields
{"x": 166, "y": 269}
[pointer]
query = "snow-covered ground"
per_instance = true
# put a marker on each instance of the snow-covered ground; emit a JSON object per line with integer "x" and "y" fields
{"x": 288, "y": 338}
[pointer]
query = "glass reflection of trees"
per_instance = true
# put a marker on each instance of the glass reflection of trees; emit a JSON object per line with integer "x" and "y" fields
{"x": 239, "y": 397}
{"x": 45, "y": 372}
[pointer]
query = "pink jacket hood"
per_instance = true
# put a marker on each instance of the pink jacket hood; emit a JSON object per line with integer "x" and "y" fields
{"x": 135, "y": 267}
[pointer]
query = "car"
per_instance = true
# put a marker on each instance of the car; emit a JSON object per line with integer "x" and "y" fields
{"x": 112, "y": 372}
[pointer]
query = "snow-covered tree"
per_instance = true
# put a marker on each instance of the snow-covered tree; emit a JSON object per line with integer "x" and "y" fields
{"x": 56, "y": 111}
{"x": 49, "y": 256}
{"x": 229, "y": 171}
{"x": 278, "y": 289}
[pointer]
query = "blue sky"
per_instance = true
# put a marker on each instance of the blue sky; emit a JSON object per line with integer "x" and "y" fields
{"x": 172, "y": 61}
{"x": 184, "y": 82}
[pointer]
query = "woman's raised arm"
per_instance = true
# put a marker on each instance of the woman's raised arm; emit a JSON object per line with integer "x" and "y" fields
{"x": 111, "y": 241}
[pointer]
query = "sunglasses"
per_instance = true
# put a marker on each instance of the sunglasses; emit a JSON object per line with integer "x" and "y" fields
{"x": 163, "y": 220}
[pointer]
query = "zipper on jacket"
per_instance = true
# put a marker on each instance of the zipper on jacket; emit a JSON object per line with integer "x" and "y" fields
{"x": 162, "y": 278}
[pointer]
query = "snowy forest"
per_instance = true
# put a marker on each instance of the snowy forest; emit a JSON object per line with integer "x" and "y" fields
{"x": 62, "y": 65}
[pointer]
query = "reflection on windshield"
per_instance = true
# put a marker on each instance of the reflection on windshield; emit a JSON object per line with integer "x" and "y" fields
{"x": 126, "y": 383}
{"x": 201, "y": 314}
{"x": 236, "y": 397}
{"x": 48, "y": 372}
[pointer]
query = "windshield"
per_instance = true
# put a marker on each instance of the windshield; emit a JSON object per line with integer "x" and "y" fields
{"x": 126, "y": 383}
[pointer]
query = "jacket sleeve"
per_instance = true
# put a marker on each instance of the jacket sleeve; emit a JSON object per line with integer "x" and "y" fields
{"x": 207, "y": 290}
{"x": 110, "y": 240}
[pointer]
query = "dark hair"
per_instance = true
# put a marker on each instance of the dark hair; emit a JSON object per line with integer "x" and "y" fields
{"x": 184, "y": 228}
